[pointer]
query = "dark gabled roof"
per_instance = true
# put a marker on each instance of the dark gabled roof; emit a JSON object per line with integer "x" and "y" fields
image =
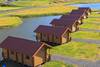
{"x": 20, "y": 45}
{"x": 80, "y": 12}
{"x": 71, "y": 16}
{"x": 54, "y": 21}
{"x": 49, "y": 30}
{"x": 84, "y": 8}
{"x": 67, "y": 20}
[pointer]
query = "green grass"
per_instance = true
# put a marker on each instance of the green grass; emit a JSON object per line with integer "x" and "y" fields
{"x": 55, "y": 10}
{"x": 9, "y": 8}
{"x": 40, "y": 2}
{"x": 57, "y": 64}
{"x": 82, "y": 1}
{"x": 78, "y": 50}
{"x": 2, "y": 1}
{"x": 30, "y": 3}
{"x": 49, "y": 2}
{"x": 86, "y": 35}
{"x": 93, "y": 17}
{"x": 9, "y": 21}
{"x": 91, "y": 20}
{"x": 95, "y": 14}
{"x": 91, "y": 25}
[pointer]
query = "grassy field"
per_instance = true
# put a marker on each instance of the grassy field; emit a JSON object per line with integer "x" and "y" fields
{"x": 79, "y": 50}
{"x": 9, "y": 21}
{"x": 93, "y": 17}
{"x": 38, "y": 3}
{"x": 2, "y": 1}
{"x": 90, "y": 26}
{"x": 95, "y": 14}
{"x": 91, "y": 21}
{"x": 55, "y": 10}
{"x": 88, "y": 35}
{"x": 31, "y": 3}
{"x": 51, "y": 2}
{"x": 9, "y": 8}
{"x": 57, "y": 64}
{"x": 82, "y": 1}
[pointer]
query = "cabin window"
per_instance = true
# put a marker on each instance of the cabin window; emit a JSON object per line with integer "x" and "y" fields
{"x": 12, "y": 52}
{"x": 27, "y": 57}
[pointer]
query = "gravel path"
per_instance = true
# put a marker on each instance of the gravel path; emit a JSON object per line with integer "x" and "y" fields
{"x": 85, "y": 29}
{"x": 87, "y": 40}
{"x": 80, "y": 63}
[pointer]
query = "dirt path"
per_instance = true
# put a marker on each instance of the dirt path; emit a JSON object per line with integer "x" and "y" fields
{"x": 87, "y": 40}
{"x": 80, "y": 63}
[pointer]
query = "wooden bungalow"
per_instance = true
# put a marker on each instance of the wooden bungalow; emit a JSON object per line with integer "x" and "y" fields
{"x": 24, "y": 51}
{"x": 52, "y": 35}
{"x": 72, "y": 24}
{"x": 86, "y": 9}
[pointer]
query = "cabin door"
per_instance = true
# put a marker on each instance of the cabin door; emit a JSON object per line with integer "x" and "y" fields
{"x": 19, "y": 58}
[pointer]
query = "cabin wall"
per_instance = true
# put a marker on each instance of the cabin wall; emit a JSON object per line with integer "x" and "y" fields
{"x": 27, "y": 60}
{"x": 47, "y": 54}
{"x": 44, "y": 37}
{"x": 19, "y": 58}
{"x": 57, "y": 39}
{"x": 64, "y": 40}
{"x": 5, "y": 53}
{"x": 73, "y": 28}
{"x": 77, "y": 26}
{"x": 50, "y": 38}
{"x": 40, "y": 57}
{"x": 38, "y": 36}
{"x": 12, "y": 55}
{"x": 66, "y": 37}
{"x": 53, "y": 25}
